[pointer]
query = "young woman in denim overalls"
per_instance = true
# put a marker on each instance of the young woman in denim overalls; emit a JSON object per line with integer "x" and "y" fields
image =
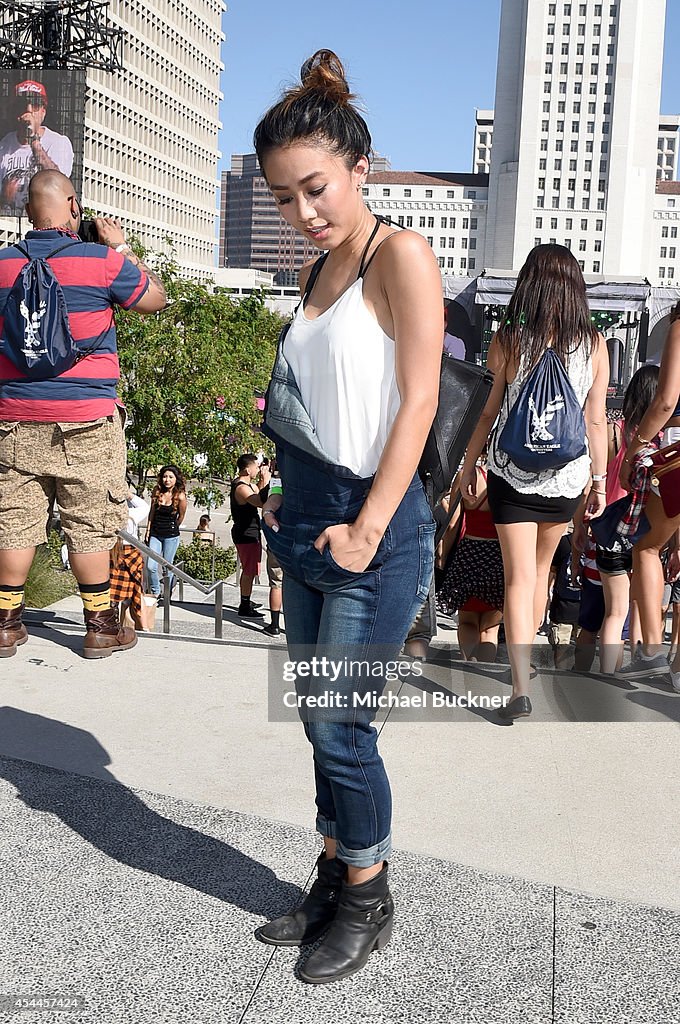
{"x": 352, "y": 396}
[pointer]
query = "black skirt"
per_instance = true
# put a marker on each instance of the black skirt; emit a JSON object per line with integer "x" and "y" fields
{"x": 510, "y": 506}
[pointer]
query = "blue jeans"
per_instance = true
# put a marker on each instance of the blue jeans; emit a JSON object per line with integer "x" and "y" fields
{"x": 167, "y": 547}
{"x": 330, "y": 609}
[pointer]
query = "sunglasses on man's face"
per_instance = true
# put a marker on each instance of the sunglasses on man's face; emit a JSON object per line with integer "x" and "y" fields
{"x": 31, "y": 100}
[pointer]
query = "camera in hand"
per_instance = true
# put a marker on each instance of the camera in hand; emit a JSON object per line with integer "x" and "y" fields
{"x": 88, "y": 231}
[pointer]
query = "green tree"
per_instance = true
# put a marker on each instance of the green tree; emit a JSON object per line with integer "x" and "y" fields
{"x": 189, "y": 376}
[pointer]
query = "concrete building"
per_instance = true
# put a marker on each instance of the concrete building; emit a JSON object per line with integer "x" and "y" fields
{"x": 665, "y": 255}
{"x": 151, "y": 148}
{"x": 574, "y": 148}
{"x": 448, "y": 210}
{"x": 667, "y": 151}
{"x": 481, "y": 149}
{"x": 150, "y": 131}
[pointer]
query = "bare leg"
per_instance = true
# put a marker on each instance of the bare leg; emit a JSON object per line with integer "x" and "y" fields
{"x": 488, "y": 635}
{"x": 91, "y": 568}
{"x": 14, "y": 566}
{"x": 518, "y": 545}
{"x": 584, "y": 655}
{"x": 468, "y": 633}
{"x": 616, "y": 603}
{"x": 246, "y": 585}
{"x": 648, "y": 578}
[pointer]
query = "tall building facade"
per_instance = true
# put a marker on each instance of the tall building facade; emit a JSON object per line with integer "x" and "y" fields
{"x": 481, "y": 149}
{"x": 574, "y": 146}
{"x": 151, "y": 149}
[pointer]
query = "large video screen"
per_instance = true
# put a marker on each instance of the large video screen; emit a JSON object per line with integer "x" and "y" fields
{"x": 41, "y": 128}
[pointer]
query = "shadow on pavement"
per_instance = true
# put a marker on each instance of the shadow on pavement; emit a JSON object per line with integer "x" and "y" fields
{"x": 116, "y": 821}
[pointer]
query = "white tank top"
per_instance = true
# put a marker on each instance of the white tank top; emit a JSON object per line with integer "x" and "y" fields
{"x": 343, "y": 363}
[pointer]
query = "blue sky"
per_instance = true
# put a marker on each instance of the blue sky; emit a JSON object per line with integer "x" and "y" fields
{"x": 420, "y": 69}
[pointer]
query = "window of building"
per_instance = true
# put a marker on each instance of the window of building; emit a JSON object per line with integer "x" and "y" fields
{"x": 589, "y": 146}
{"x": 577, "y": 88}
{"x": 556, "y": 184}
{"x": 591, "y": 108}
{"x": 450, "y": 194}
{"x": 596, "y": 266}
{"x": 674, "y": 232}
{"x": 430, "y": 222}
{"x": 544, "y": 145}
{"x": 595, "y": 49}
{"x": 537, "y": 241}
{"x": 444, "y": 222}
{"x": 584, "y": 224}
{"x": 587, "y": 165}
{"x": 664, "y": 232}
{"x": 592, "y": 88}
{"x": 568, "y": 223}
{"x": 572, "y": 165}
{"x": 567, "y": 10}
{"x": 564, "y": 68}
{"x": 598, "y": 10}
{"x": 364, "y": 191}
{"x": 580, "y": 49}
{"x": 421, "y": 222}
{"x": 558, "y": 164}
{"x": 582, "y": 244}
{"x": 450, "y": 262}
{"x": 541, "y": 183}
{"x": 560, "y": 126}
{"x": 545, "y": 125}
{"x": 548, "y": 68}
{"x": 590, "y": 127}
{"x": 597, "y": 245}
{"x": 662, "y": 271}
{"x": 552, "y": 8}
{"x": 570, "y": 202}
{"x": 553, "y": 241}
{"x": 409, "y": 222}
{"x": 573, "y": 146}
{"x": 556, "y": 202}
{"x": 407, "y": 193}
{"x": 472, "y": 194}
{"x": 553, "y": 223}
{"x": 578, "y": 68}
{"x": 600, "y": 204}
{"x": 582, "y": 265}
{"x": 585, "y": 203}
{"x": 452, "y": 243}
{"x": 400, "y": 221}
{"x": 385, "y": 191}
{"x": 605, "y": 127}
{"x": 663, "y": 252}
{"x": 596, "y": 32}
{"x": 473, "y": 223}
{"x": 574, "y": 127}
{"x": 671, "y": 252}
{"x": 581, "y": 29}
{"x": 472, "y": 263}
{"x": 473, "y": 243}
{"x": 539, "y": 202}
{"x": 546, "y": 106}
{"x": 572, "y": 184}
{"x": 539, "y": 222}
{"x": 463, "y": 263}
{"x": 440, "y": 261}
{"x": 567, "y": 243}
{"x": 561, "y": 107}
{"x": 428, "y": 193}
{"x": 430, "y": 240}
{"x": 559, "y": 144}
{"x": 549, "y": 49}
{"x": 566, "y": 28}
{"x": 464, "y": 243}
{"x": 671, "y": 203}
{"x": 598, "y": 225}
{"x": 442, "y": 242}
{"x": 565, "y": 49}
{"x": 466, "y": 223}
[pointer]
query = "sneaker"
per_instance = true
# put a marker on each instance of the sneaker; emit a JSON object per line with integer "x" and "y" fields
{"x": 272, "y": 630}
{"x": 247, "y": 611}
{"x": 675, "y": 681}
{"x": 642, "y": 666}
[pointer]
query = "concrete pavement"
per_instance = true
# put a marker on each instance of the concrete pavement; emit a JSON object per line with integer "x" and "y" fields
{"x": 154, "y": 816}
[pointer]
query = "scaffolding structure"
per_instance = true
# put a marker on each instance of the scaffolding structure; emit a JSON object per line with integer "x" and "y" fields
{"x": 59, "y": 34}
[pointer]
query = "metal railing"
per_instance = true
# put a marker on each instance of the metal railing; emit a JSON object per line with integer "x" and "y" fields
{"x": 176, "y": 570}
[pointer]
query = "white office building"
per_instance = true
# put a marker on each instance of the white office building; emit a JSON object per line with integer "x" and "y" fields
{"x": 575, "y": 148}
{"x": 481, "y": 149}
{"x": 448, "y": 211}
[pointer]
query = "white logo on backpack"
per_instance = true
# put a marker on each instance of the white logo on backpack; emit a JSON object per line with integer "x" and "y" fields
{"x": 32, "y": 328}
{"x": 540, "y": 421}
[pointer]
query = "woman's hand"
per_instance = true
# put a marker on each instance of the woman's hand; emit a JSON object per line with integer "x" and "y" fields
{"x": 350, "y": 548}
{"x": 468, "y": 482}
{"x": 269, "y": 510}
{"x": 595, "y": 505}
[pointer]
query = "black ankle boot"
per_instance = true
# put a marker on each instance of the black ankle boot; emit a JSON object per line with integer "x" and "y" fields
{"x": 363, "y": 923}
{"x": 312, "y": 918}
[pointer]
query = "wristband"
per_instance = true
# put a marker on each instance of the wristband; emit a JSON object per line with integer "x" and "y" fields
{"x": 641, "y": 440}
{"x": 598, "y": 477}
{"x": 275, "y": 486}
{"x": 123, "y": 247}
{"x": 595, "y": 491}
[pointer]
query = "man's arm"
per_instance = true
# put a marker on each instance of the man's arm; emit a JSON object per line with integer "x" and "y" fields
{"x": 111, "y": 234}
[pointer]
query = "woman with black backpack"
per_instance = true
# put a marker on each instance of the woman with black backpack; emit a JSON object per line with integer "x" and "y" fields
{"x": 551, "y": 372}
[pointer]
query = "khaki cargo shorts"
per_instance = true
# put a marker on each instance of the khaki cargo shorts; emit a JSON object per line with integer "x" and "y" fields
{"x": 80, "y": 466}
{"x": 274, "y": 570}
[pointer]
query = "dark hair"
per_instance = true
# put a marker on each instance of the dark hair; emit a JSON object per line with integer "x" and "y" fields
{"x": 549, "y": 304}
{"x": 177, "y": 490}
{"x": 319, "y": 109}
{"x": 244, "y": 461}
{"x": 639, "y": 396}
{"x": 675, "y": 313}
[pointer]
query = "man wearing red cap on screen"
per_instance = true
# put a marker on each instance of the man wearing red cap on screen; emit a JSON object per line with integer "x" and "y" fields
{"x": 30, "y": 147}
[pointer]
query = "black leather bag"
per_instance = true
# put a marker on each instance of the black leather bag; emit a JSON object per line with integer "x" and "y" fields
{"x": 463, "y": 391}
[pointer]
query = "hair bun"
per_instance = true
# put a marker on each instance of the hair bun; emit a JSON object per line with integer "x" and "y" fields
{"x": 323, "y": 72}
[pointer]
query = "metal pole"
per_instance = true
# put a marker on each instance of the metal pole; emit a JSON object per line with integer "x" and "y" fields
{"x": 219, "y": 600}
{"x": 166, "y": 600}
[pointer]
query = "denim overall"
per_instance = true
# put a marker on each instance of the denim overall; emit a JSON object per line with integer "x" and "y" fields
{"x": 330, "y": 610}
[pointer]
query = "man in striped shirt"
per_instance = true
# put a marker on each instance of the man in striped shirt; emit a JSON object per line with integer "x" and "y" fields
{"x": 62, "y": 439}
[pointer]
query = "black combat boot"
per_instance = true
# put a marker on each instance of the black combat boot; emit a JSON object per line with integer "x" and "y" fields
{"x": 363, "y": 923}
{"x": 308, "y": 923}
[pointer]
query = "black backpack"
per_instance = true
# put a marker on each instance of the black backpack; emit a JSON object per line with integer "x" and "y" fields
{"x": 36, "y": 334}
